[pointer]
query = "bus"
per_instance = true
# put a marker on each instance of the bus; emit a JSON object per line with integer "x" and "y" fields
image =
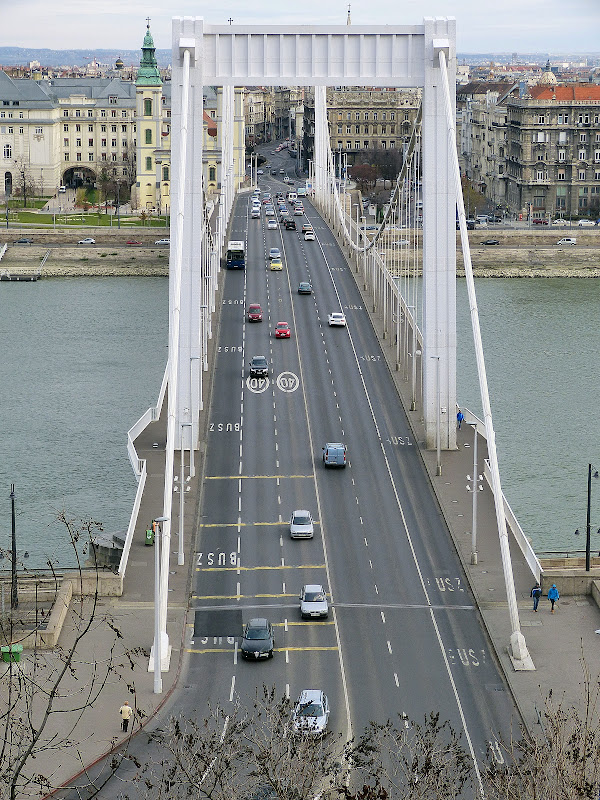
{"x": 236, "y": 255}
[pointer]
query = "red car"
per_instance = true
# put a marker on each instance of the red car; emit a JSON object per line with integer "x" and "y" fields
{"x": 132, "y": 241}
{"x": 282, "y": 330}
{"x": 254, "y": 313}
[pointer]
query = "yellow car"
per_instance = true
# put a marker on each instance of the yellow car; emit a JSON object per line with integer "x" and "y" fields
{"x": 276, "y": 263}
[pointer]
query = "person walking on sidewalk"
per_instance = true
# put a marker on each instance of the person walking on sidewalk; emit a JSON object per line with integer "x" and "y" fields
{"x": 459, "y": 418}
{"x": 536, "y": 593}
{"x": 553, "y": 596}
{"x": 126, "y": 712}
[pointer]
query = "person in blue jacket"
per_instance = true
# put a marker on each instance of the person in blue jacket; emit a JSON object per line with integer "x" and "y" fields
{"x": 553, "y": 596}
{"x": 459, "y": 418}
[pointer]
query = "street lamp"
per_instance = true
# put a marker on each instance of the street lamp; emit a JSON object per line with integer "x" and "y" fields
{"x": 183, "y": 488}
{"x": 589, "y": 503}
{"x": 477, "y": 487}
{"x": 157, "y": 660}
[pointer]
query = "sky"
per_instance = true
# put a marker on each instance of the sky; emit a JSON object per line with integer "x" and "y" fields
{"x": 554, "y": 26}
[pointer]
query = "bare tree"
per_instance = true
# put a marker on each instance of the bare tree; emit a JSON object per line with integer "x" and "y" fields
{"x": 52, "y": 686}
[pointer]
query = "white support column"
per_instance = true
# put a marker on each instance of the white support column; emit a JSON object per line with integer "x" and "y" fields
{"x": 320, "y": 161}
{"x": 439, "y": 242}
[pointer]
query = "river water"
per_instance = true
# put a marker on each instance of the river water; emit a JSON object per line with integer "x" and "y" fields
{"x": 83, "y": 359}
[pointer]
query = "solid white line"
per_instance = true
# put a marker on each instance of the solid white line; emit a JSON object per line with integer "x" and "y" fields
{"x": 232, "y": 688}
{"x": 238, "y": 590}
{"x": 235, "y": 652}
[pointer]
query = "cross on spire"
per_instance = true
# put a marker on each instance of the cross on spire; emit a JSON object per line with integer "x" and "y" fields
{"x": 148, "y": 22}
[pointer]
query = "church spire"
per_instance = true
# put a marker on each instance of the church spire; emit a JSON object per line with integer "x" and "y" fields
{"x": 148, "y": 74}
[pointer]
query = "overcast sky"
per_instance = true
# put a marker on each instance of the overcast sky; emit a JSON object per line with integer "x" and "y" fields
{"x": 556, "y": 26}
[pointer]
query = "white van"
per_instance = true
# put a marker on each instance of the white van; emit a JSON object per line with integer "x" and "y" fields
{"x": 292, "y": 197}
{"x": 62, "y": 189}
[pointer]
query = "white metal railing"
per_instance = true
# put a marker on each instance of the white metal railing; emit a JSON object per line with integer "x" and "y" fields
{"x": 3, "y": 250}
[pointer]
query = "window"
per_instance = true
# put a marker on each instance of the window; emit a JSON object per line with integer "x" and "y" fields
{"x": 103, "y": 112}
{"x": 125, "y": 145}
{"x": 65, "y": 142}
{"x": 384, "y": 115}
{"x": 114, "y": 156}
{"x": 147, "y": 107}
{"x": 113, "y": 128}
{"x": 78, "y": 113}
{"x": 384, "y": 129}
{"x": 103, "y": 128}
{"x": 561, "y": 119}
{"x": 91, "y": 128}
{"x": 90, "y": 113}
{"x": 21, "y": 115}
{"x": 597, "y": 137}
{"x": 103, "y": 157}
{"x": 348, "y": 145}
{"x": 357, "y": 116}
{"x": 581, "y": 155}
{"x": 541, "y": 119}
{"x": 78, "y": 143}
{"x": 392, "y": 144}
{"x": 65, "y": 113}
{"x": 148, "y": 164}
{"x": 112, "y": 99}
{"x": 538, "y": 201}
{"x": 540, "y": 175}
{"x": 123, "y": 128}
{"x": 366, "y": 144}
{"x": 596, "y": 156}
{"x": 383, "y": 145}
{"x": 581, "y": 174}
{"x": 148, "y": 135}
{"x": 348, "y": 115}
{"x": 366, "y": 116}
{"x": 540, "y": 157}
{"x": 357, "y": 129}
{"x": 212, "y": 173}
{"x": 66, "y": 157}
{"x": 77, "y": 128}
{"x": 90, "y": 156}
{"x": 78, "y": 156}
{"x": 339, "y": 129}
{"x": 348, "y": 129}
{"x": 10, "y": 129}
{"x": 113, "y": 113}
{"x": 562, "y": 156}
{"x": 66, "y": 128}
{"x": 374, "y": 116}
{"x": 540, "y": 136}
{"x": 583, "y": 137}
{"x": 560, "y": 175}
{"x": 597, "y": 175}
{"x": 405, "y": 117}
{"x": 357, "y": 145}
{"x": 21, "y": 129}
{"x": 90, "y": 142}
{"x": 562, "y": 137}
{"x": 392, "y": 115}
{"x": 165, "y": 172}
{"x": 7, "y": 151}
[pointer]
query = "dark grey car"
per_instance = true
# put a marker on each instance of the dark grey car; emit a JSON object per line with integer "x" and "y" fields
{"x": 258, "y": 641}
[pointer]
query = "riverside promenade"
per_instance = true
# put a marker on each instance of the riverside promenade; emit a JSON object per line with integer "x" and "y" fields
{"x": 555, "y": 641}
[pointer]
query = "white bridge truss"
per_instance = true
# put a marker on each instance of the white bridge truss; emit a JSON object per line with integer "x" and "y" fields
{"x": 421, "y": 56}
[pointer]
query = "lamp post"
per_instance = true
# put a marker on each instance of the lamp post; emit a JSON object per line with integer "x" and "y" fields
{"x": 183, "y": 488}
{"x": 438, "y": 444}
{"x": 474, "y": 490}
{"x": 588, "y": 523}
{"x": 14, "y": 593}
{"x": 157, "y": 633}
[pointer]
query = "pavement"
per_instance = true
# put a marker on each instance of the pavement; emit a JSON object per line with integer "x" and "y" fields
{"x": 556, "y": 642}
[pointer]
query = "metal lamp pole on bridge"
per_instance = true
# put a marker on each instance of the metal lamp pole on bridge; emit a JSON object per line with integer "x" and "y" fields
{"x": 157, "y": 660}
{"x": 477, "y": 487}
{"x": 588, "y": 523}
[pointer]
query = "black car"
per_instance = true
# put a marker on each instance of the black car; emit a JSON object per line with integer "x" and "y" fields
{"x": 258, "y": 641}
{"x": 491, "y": 241}
{"x": 259, "y": 367}
{"x": 289, "y": 224}
{"x": 24, "y": 241}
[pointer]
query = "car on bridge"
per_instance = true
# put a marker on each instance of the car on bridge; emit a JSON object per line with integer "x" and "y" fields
{"x": 272, "y": 224}
{"x": 25, "y": 240}
{"x": 254, "y": 313}
{"x": 301, "y": 524}
{"x": 567, "y": 240}
{"x": 309, "y": 236}
{"x": 87, "y": 240}
{"x": 307, "y": 227}
{"x": 276, "y": 264}
{"x": 289, "y": 224}
{"x": 133, "y": 241}
{"x": 258, "y": 640}
{"x": 304, "y": 288}
{"x": 282, "y": 330}
{"x": 491, "y": 241}
{"x": 259, "y": 367}
{"x": 313, "y": 602}
{"x": 311, "y": 713}
{"x": 162, "y": 241}
{"x": 274, "y": 252}
{"x": 336, "y": 318}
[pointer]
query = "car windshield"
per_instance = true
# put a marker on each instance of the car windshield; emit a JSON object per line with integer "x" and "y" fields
{"x": 259, "y": 361}
{"x": 301, "y": 519}
{"x": 257, "y": 633}
{"x": 311, "y": 710}
{"x": 314, "y": 597}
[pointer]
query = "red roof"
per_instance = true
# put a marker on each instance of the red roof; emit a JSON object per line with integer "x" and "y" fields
{"x": 579, "y": 92}
{"x": 211, "y": 124}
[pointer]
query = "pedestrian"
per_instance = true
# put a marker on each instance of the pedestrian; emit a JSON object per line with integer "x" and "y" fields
{"x": 553, "y": 596}
{"x": 536, "y": 593}
{"x": 459, "y": 418}
{"x": 126, "y": 712}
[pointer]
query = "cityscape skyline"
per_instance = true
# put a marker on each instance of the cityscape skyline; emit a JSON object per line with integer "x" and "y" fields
{"x": 539, "y": 26}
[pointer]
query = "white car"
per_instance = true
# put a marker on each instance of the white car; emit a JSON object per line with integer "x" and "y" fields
{"x": 567, "y": 240}
{"x": 309, "y": 236}
{"x": 337, "y": 318}
{"x": 313, "y": 601}
{"x": 272, "y": 225}
{"x": 301, "y": 524}
{"x": 162, "y": 241}
{"x": 585, "y": 223}
{"x": 88, "y": 240}
{"x": 311, "y": 713}
{"x": 259, "y": 172}
{"x": 269, "y": 211}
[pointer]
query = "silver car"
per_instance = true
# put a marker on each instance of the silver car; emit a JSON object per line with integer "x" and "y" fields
{"x": 301, "y": 525}
{"x": 311, "y": 713}
{"x": 313, "y": 601}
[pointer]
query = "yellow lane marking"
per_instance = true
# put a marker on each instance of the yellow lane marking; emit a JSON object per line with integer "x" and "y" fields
{"x": 253, "y": 477}
{"x": 277, "y": 649}
{"x": 255, "y": 569}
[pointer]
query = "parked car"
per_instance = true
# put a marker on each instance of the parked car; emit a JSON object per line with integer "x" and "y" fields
{"x": 258, "y": 640}
{"x": 132, "y": 241}
{"x": 301, "y": 525}
{"x": 162, "y": 241}
{"x": 334, "y": 454}
{"x": 337, "y": 318}
{"x": 311, "y": 713}
{"x": 491, "y": 241}
{"x": 87, "y": 240}
{"x": 567, "y": 240}
{"x": 254, "y": 313}
{"x": 282, "y": 330}
{"x": 585, "y": 223}
{"x": 540, "y": 221}
{"x": 25, "y": 240}
{"x": 304, "y": 288}
{"x": 259, "y": 367}
{"x": 313, "y": 601}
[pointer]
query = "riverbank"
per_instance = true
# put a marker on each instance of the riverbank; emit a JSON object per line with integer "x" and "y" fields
{"x": 520, "y": 253}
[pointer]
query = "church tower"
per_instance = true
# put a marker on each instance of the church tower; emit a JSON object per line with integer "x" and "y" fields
{"x": 148, "y": 127}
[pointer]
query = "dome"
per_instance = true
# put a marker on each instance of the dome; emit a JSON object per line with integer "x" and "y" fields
{"x": 548, "y": 78}
{"x": 119, "y": 63}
